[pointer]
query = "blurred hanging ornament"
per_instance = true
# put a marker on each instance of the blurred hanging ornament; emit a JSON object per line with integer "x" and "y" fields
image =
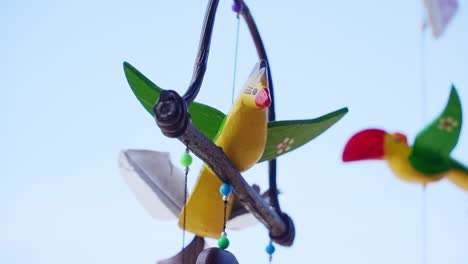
{"x": 428, "y": 160}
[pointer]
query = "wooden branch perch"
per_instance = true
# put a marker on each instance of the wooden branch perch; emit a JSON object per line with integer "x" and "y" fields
{"x": 173, "y": 119}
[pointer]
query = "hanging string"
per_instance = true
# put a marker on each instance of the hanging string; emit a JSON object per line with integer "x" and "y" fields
{"x": 270, "y": 249}
{"x": 236, "y": 49}
{"x": 186, "y": 161}
{"x": 225, "y": 190}
{"x": 185, "y": 214}
{"x": 423, "y": 224}
{"x": 224, "y": 218}
{"x": 423, "y": 120}
{"x": 423, "y": 67}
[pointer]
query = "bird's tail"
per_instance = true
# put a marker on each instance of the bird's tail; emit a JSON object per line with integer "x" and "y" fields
{"x": 204, "y": 211}
{"x": 460, "y": 178}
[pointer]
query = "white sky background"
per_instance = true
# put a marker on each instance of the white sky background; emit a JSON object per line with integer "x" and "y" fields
{"x": 69, "y": 111}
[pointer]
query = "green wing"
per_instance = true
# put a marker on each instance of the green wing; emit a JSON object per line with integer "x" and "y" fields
{"x": 285, "y": 136}
{"x": 433, "y": 145}
{"x": 207, "y": 119}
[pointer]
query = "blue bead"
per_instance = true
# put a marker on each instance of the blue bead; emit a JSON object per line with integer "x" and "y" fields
{"x": 270, "y": 249}
{"x": 225, "y": 189}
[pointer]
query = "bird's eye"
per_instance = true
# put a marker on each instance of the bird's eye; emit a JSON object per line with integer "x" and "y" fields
{"x": 254, "y": 91}
{"x": 400, "y": 138}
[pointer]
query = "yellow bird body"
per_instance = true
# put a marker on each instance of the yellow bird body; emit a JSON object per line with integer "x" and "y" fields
{"x": 396, "y": 155}
{"x": 243, "y": 139}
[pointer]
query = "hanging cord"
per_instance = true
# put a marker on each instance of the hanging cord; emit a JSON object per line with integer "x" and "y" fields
{"x": 235, "y": 59}
{"x": 423, "y": 69}
{"x": 225, "y": 190}
{"x": 423, "y": 224}
{"x": 186, "y": 161}
{"x": 185, "y": 214}
{"x": 270, "y": 249}
{"x": 423, "y": 119}
{"x": 245, "y": 12}
{"x": 224, "y": 219}
{"x": 240, "y": 7}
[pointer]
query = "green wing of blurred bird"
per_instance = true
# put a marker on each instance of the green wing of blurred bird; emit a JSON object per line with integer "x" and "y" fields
{"x": 433, "y": 145}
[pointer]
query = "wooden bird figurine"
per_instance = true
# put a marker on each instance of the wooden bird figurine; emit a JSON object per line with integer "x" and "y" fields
{"x": 245, "y": 135}
{"x": 243, "y": 139}
{"x": 428, "y": 160}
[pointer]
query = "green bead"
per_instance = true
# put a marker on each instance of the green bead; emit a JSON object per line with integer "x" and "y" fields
{"x": 186, "y": 159}
{"x": 223, "y": 242}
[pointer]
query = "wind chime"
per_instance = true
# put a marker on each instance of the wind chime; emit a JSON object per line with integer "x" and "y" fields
{"x": 220, "y": 193}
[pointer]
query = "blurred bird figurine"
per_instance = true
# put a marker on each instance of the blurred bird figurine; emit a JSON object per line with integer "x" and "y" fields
{"x": 428, "y": 160}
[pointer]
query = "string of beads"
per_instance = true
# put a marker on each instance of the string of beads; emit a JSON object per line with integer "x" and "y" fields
{"x": 225, "y": 190}
{"x": 270, "y": 249}
{"x": 186, "y": 161}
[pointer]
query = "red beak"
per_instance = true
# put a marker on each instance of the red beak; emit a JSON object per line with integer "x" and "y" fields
{"x": 263, "y": 98}
{"x": 366, "y": 144}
